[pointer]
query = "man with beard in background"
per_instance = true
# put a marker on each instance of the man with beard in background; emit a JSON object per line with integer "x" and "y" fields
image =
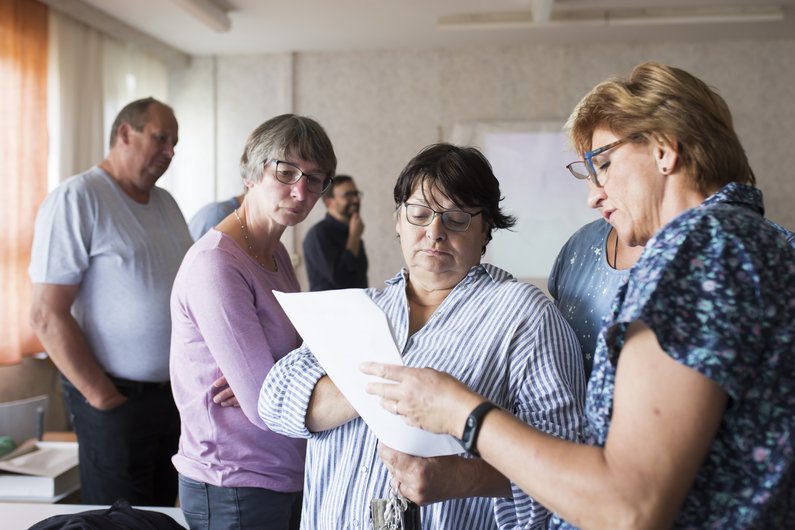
{"x": 333, "y": 248}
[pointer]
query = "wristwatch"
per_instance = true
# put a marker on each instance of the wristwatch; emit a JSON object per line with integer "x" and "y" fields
{"x": 469, "y": 438}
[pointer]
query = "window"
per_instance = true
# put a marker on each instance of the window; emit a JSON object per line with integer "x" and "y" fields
{"x": 23, "y": 163}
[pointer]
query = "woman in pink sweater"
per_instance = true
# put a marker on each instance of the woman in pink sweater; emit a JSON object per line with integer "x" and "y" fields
{"x": 234, "y": 472}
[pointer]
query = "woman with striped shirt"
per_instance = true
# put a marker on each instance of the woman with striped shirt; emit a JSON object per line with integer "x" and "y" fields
{"x": 451, "y": 312}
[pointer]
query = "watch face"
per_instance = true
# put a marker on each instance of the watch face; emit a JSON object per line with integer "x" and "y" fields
{"x": 472, "y": 427}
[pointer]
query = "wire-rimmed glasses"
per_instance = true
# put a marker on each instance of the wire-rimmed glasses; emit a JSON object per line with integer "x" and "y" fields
{"x": 454, "y": 220}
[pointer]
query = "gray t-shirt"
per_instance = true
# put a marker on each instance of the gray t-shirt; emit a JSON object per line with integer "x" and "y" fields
{"x": 125, "y": 256}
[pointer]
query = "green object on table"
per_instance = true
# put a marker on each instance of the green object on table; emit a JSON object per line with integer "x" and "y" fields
{"x": 6, "y": 445}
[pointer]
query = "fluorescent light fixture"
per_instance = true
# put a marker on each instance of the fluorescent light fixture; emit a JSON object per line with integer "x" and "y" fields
{"x": 698, "y": 16}
{"x": 487, "y": 21}
{"x": 613, "y": 17}
{"x": 207, "y": 12}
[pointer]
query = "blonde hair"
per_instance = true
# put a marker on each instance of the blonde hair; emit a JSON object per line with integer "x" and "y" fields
{"x": 666, "y": 102}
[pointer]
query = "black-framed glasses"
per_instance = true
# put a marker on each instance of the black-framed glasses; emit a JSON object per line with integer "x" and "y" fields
{"x": 588, "y": 170}
{"x": 454, "y": 220}
{"x": 287, "y": 173}
{"x": 354, "y": 194}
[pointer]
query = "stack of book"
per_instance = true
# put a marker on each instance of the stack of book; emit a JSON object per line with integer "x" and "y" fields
{"x": 39, "y": 472}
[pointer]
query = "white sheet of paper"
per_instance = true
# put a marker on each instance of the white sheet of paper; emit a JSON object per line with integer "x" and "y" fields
{"x": 344, "y": 328}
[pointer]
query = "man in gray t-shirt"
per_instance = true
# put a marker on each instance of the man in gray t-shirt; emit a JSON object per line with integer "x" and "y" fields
{"x": 106, "y": 249}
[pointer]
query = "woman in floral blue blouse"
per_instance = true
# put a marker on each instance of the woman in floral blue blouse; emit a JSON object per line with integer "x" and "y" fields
{"x": 691, "y": 405}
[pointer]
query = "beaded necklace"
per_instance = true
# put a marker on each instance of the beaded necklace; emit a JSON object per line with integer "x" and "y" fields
{"x": 251, "y": 248}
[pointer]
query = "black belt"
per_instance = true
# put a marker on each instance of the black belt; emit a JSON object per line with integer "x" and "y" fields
{"x": 137, "y": 386}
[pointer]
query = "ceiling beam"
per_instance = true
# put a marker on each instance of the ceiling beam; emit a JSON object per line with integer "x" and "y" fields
{"x": 113, "y": 27}
{"x": 207, "y": 12}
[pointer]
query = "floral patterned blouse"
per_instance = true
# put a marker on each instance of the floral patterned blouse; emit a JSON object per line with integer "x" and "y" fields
{"x": 717, "y": 287}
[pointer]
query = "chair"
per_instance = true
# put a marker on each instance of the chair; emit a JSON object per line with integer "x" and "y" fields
{"x": 23, "y": 419}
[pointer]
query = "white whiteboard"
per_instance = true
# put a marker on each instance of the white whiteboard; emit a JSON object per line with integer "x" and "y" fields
{"x": 529, "y": 159}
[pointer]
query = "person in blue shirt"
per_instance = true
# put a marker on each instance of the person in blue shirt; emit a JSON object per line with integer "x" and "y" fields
{"x": 585, "y": 278}
{"x": 689, "y": 405}
{"x": 587, "y": 274}
{"x": 211, "y": 214}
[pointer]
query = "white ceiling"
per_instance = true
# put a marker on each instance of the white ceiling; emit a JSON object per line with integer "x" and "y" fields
{"x": 265, "y": 26}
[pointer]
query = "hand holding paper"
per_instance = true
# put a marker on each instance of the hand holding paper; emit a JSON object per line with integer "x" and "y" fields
{"x": 344, "y": 329}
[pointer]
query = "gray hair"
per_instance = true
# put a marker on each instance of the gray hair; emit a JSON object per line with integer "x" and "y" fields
{"x": 286, "y": 135}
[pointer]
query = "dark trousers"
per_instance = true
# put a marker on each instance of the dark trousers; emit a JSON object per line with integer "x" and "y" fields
{"x": 125, "y": 452}
{"x": 208, "y": 507}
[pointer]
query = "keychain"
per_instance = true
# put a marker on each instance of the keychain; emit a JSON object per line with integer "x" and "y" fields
{"x": 395, "y": 513}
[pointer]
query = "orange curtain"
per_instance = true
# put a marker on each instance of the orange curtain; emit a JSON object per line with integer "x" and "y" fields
{"x": 23, "y": 163}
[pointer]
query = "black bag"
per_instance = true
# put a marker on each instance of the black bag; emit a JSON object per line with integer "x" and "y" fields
{"x": 120, "y": 516}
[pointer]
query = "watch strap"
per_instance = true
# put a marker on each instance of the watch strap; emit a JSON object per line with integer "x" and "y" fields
{"x": 472, "y": 426}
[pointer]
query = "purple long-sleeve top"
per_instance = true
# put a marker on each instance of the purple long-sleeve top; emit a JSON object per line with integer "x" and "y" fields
{"x": 225, "y": 320}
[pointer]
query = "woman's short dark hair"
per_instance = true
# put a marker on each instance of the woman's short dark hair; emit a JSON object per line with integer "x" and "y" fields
{"x": 463, "y": 175}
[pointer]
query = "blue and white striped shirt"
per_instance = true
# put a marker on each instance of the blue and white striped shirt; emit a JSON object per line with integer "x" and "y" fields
{"x": 502, "y": 338}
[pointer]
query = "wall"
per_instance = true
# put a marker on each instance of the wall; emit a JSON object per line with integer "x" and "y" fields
{"x": 33, "y": 377}
{"x": 380, "y": 108}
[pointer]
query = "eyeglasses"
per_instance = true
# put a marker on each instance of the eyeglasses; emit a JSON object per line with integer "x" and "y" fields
{"x": 353, "y": 195}
{"x": 454, "y": 220}
{"x": 287, "y": 173}
{"x": 586, "y": 170}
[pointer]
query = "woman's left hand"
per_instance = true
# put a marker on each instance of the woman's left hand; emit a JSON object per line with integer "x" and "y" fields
{"x": 429, "y": 480}
{"x": 426, "y": 398}
{"x": 225, "y": 397}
